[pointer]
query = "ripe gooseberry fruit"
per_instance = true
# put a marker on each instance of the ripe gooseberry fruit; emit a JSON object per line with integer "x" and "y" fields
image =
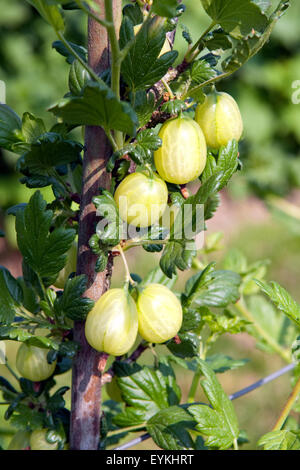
{"x": 38, "y": 441}
{"x": 220, "y": 119}
{"x": 69, "y": 268}
{"x": 112, "y": 325}
{"x": 159, "y": 314}
{"x": 141, "y": 199}
{"x": 182, "y": 156}
{"x": 20, "y": 441}
{"x": 32, "y": 363}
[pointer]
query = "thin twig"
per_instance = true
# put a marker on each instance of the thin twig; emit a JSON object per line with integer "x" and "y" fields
{"x": 288, "y": 406}
{"x": 128, "y": 278}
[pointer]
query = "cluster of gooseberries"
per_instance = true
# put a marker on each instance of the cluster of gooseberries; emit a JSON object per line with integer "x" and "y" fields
{"x": 35, "y": 440}
{"x": 115, "y": 321}
{"x": 142, "y": 197}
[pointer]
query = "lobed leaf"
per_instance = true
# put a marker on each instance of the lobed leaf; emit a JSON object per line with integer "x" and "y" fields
{"x": 213, "y": 288}
{"x": 282, "y": 299}
{"x": 169, "y": 429}
{"x": 218, "y": 422}
{"x": 145, "y": 391}
{"x": 97, "y": 105}
{"x": 10, "y": 127}
{"x": 237, "y": 17}
{"x": 280, "y": 440}
{"x": 50, "y": 13}
{"x": 142, "y": 67}
{"x": 71, "y": 303}
{"x": 44, "y": 251}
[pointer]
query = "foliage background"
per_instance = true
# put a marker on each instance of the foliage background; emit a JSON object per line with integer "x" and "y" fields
{"x": 36, "y": 76}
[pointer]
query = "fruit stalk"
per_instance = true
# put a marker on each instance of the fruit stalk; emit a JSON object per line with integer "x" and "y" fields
{"x": 89, "y": 364}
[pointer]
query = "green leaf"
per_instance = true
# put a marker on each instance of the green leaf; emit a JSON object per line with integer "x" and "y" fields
{"x": 71, "y": 303}
{"x": 32, "y": 127}
{"x": 264, "y": 5}
{"x": 101, "y": 262}
{"x": 140, "y": 151}
{"x": 227, "y": 163}
{"x": 49, "y": 151}
{"x": 50, "y": 13}
{"x": 177, "y": 254}
{"x": 192, "y": 319}
{"x": 212, "y": 288}
{"x": 277, "y": 326}
{"x": 280, "y": 440}
{"x": 97, "y": 105}
{"x": 202, "y": 71}
{"x": 188, "y": 346}
{"x": 7, "y": 301}
{"x": 10, "y": 127}
{"x": 44, "y": 251}
{"x": 282, "y": 299}
{"x": 173, "y": 107}
{"x": 218, "y": 422}
{"x": 167, "y": 8}
{"x": 145, "y": 390}
{"x": 237, "y": 17}
{"x": 110, "y": 232}
{"x": 227, "y": 322}
{"x": 220, "y": 363}
{"x": 22, "y": 335}
{"x": 56, "y": 401}
{"x": 250, "y": 45}
{"x": 144, "y": 106}
{"x": 190, "y": 218}
{"x": 218, "y": 40}
{"x": 134, "y": 13}
{"x": 12, "y": 285}
{"x": 212, "y": 206}
{"x": 236, "y": 261}
{"x": 149, "y": 140}
{"x": 61, "y": 49}
{"x": 142, "y": 67}
{"x": 188, "y": 84}
{"x": 169, "y": 428}
{"x": 24, "y": 417}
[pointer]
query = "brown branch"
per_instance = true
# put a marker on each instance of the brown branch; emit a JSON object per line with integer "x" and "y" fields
{"x": 170, "y": 76}
{"x": 89, "y": 365}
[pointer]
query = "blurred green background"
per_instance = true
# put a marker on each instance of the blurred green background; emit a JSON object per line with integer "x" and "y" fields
{"x": 36, "y": 77}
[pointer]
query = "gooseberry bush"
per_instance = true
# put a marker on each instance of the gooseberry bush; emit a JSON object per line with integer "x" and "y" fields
{"x": 152, "y": 123}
